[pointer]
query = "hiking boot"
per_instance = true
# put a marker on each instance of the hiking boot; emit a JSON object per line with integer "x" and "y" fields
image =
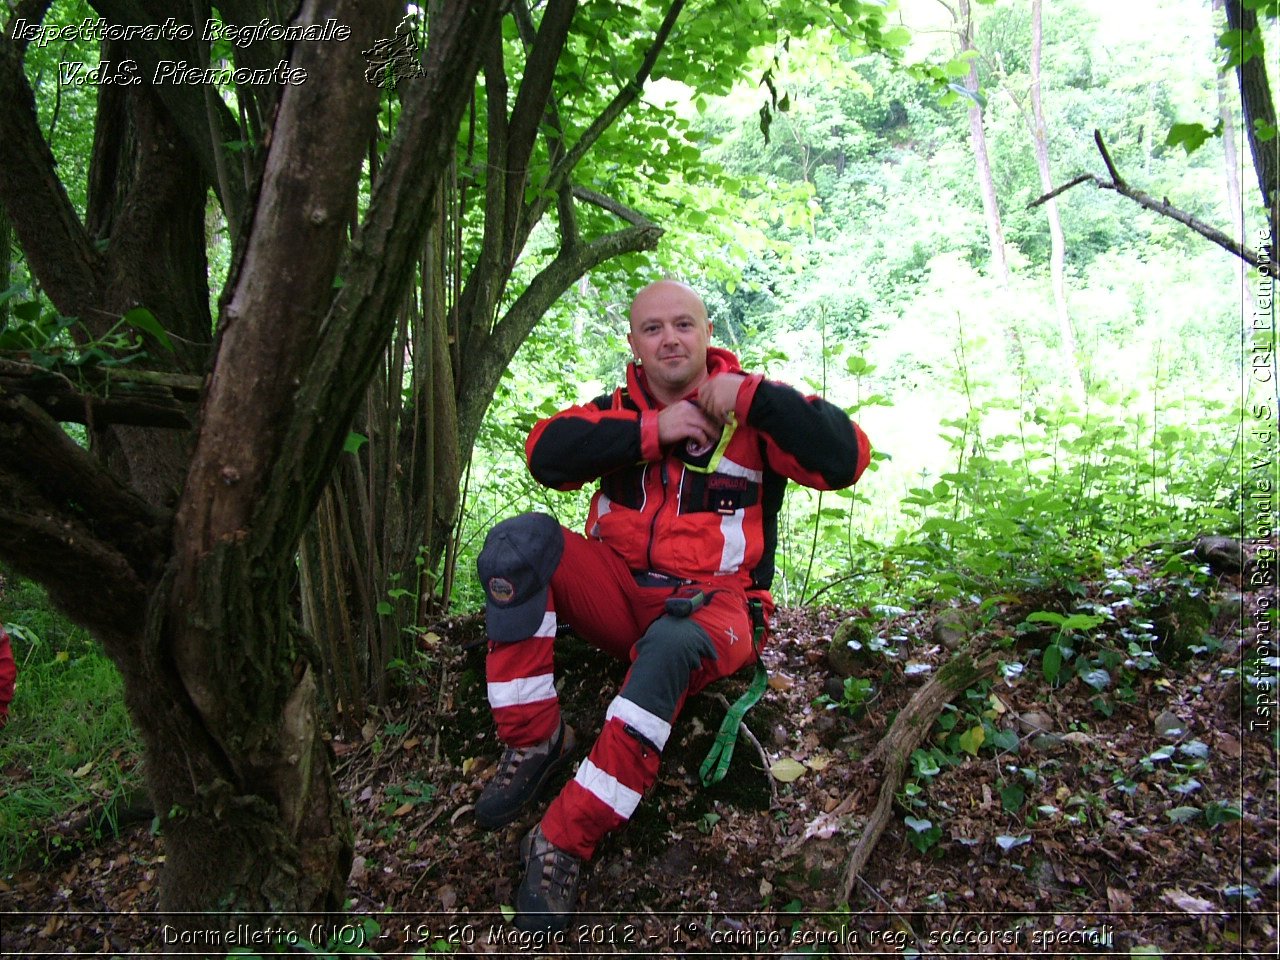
{"x": 549, "y": 891}
{"x": 522, "y": 773}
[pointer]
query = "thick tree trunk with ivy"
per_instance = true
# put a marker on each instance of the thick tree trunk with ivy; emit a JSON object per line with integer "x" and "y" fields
{"x": 194, "y": 604}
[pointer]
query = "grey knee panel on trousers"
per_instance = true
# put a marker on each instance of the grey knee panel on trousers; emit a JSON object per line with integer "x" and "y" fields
{"x": 670, "y": 650}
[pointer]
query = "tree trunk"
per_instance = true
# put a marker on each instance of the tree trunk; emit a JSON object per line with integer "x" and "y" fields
{"x": 1259, "y": 108}
{"x": 195, "y": 606}
{"x": 399, "y": 493}
{"x": 6, "y": 264}
{"x": 1231, "y": 155}
{"x": 1058, "y": 247}
{"x": 982, "y": 163}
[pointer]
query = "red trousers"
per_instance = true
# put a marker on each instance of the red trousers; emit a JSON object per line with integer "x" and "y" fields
{"x": 623, "y": 615}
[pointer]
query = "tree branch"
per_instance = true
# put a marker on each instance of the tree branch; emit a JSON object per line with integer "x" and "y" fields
{"x": 54, "y": 240}
{"x": 1106, "y": 158}
{"x": 909, "y": 729}
{"x": 613, "y": 206}
{"x": 1164, "y": 208}
{"x": 484, "y": 369}
{"x": 527, "y": 113}
{"x": 100, "y": 396}
{"x": 622, "y": 99}
{"x": 76, "y": 490}
{"x": 185, "y": 102}
{"x": 380, "y": 262}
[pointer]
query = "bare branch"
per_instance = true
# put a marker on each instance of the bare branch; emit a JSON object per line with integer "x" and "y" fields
{"x": 32, "y": 11}
{"x": 75, "y": 487}
{"x": 100, "y": 396}
{"x": 622, "y": 99}
{"x": 613, "y": 206}
{"x": 1164, "y": 208}
{"x": 1073, "y": 182}
{"x": 1106, "y": 158}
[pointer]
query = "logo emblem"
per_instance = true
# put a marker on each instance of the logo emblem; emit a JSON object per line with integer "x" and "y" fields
{"x": 501, "y": 590}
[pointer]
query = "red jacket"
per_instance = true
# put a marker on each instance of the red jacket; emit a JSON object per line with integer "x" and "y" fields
{"x": 697, "y": 514}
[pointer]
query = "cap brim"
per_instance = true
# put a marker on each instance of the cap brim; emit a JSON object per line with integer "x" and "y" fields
{"x": 519, "y": 621}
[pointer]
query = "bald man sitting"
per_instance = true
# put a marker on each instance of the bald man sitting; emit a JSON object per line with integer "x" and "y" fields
{"x": 691, "y": 457}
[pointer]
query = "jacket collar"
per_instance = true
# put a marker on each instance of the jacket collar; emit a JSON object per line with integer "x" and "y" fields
{"x": 719, "y": 361}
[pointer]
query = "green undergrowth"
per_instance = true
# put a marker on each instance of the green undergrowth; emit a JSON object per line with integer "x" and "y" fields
{"x": 69, "y": 746}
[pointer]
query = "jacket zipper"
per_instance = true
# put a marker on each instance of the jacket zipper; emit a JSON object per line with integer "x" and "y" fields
{"x": 653, "y": 522}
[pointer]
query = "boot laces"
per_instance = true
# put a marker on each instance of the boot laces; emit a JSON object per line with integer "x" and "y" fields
{"x": 559, "y": 870}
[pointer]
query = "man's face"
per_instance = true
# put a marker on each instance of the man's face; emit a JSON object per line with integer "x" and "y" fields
{"x": 669, "y": 336}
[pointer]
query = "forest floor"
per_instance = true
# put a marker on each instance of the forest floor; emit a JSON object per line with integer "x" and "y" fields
{"x": 1058, "y": 831}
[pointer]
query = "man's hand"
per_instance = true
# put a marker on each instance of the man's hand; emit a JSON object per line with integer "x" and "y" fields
{"x": 686, "y": 421}
{"x": 718, "y": 396}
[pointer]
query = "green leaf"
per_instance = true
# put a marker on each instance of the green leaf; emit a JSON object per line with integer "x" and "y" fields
{"x": 1044, "y": 616}
{"x": 896, "y": 37}
{"x": 1081, "y": 621}
{"x": 1190, "y": 136}
{"x": 140, "y": 318}
{"x": 786, "y": 770}
{"x": 384, "y": 609}
{"x": 1182, "y": 814}
{"x": 29, "y": 311}
{"x": 354, "y": 442}
{"x": 1012, "y": 798}
{"x": 972, "y": 739}
{"x": 1051, "y": 665}
{"x": 1005, "y": 740}
{"x": 1097, "y": 678}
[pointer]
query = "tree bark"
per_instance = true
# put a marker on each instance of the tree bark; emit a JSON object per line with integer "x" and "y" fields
{"x": 1230, "y": 154}
{"x": 982, "y": 162}
{"x": 194, "y": 606}
{"x": 1258, "y": 107}
{"x": 292, "y": 359}
{"x": 1058, "y": 246}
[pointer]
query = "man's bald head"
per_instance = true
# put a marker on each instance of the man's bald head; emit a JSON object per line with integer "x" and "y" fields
{"x": 669, "y": 336}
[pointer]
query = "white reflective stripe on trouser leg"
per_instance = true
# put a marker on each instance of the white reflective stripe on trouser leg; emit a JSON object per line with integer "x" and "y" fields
{"x": 512, "y": 693}
{"x": 548, "y": 626}
{"x": 606, "y": 788}
{"x": 650, "y": 726}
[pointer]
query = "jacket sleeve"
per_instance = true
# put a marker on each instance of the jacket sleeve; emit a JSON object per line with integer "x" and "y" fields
{"x": 583, "y": 443}
{"x": 807, "y": 439}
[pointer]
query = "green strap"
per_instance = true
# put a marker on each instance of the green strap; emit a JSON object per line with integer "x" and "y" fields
{"x": 717, "y": 763}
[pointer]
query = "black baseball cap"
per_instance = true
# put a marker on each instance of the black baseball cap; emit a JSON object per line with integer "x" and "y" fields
{"x": 515, "y": 566}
